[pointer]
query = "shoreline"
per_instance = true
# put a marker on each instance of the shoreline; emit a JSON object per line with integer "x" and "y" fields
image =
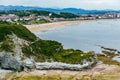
{"x": 47, "y": 26}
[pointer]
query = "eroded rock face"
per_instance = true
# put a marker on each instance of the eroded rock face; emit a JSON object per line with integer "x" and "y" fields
{"x": 9, "y": 62}
{"x": 64, "y": 66}
{"x": 16, "y": 60}
{"x": 13, "y": 60}
{"x": 29, "y": 63}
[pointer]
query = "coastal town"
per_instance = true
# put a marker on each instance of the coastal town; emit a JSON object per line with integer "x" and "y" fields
{"x": 37, "y": 19}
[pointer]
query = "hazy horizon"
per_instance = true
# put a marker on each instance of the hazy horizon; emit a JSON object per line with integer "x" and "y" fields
{"x": 59, "y": 8}
{"x": 86, "y": 4}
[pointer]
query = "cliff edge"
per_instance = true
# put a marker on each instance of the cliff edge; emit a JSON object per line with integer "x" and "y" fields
{"x": 21, "y": 50}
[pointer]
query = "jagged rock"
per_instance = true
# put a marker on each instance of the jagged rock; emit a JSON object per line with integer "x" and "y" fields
{"x": 13, "y": 60}
{"x": 63, "y": 66}
{"x": 29, "y": 63}
{"x": 9, "y": 62}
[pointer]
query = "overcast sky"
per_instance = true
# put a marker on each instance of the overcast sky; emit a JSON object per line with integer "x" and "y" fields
{"x": 85, "y": 4}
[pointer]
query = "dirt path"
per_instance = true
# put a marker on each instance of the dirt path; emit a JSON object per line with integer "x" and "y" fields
{"x": 99, "y": 72}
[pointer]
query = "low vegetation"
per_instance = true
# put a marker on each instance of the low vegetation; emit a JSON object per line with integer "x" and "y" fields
{"x": 109, "y": 75}
{"x": 7, "y": 45}
{"x": 40, "y": 13}
{"x": 42, "y": 50}
{"x": 97, "y": 77}
{"x": 19, "y": 30}
{"x": 107, "y": 58}
{"x": 46, "y": 50}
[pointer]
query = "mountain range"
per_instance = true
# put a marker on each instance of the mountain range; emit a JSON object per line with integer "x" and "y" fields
{"x": 57, "y": 10}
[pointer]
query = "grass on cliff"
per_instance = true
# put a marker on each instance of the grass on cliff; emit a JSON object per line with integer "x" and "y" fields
{"x": 42, "y": 50}
{"x": 19, "y": 30}
{"x": 46, "y": 50}
{"x": 7, "y": 45}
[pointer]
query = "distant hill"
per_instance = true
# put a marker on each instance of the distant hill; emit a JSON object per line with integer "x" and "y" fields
{"x": 70, "y": 10}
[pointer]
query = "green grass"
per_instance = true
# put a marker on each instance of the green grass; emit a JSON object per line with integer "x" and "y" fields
{"x": 42, "y": 50}
{"x": 46, "y": 50}
{"x": 19, "y": 30}
{"x": 107, "y": 60}
{"x": 107, "y": 56}
{"x": 7, "y": 45}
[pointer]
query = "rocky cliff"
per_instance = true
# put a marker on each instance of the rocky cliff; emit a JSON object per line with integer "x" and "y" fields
{"x": 21, "y": 50}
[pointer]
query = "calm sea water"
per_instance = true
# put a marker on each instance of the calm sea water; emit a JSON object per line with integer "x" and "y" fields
{"x": 87, "y": 36}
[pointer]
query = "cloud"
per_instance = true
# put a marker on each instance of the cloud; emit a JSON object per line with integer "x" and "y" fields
{"x": 87, "y": 4}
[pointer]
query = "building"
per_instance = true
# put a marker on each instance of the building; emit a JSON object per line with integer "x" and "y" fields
{"x": 9, "y": 17}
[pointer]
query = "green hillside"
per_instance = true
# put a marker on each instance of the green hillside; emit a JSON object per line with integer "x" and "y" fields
{"x": 39, "y": 13}
{"x": 42, "y": 50}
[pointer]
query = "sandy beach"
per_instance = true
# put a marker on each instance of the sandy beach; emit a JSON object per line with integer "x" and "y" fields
{"x": 48, "y": 26}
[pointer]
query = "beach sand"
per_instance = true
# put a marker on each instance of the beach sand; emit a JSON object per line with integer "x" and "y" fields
{"x": 48, "y": 26}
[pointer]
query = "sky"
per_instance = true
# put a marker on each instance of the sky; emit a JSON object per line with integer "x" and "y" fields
{"x": 85, "y": 4}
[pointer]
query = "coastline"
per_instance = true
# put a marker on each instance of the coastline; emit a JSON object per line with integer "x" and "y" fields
{"x": 47, "y": 26}
{"x": 99, "y": 71}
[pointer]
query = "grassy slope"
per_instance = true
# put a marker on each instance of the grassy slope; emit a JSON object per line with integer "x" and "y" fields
{"x": 43, "y": 50}
{"x": 19, "y": 30}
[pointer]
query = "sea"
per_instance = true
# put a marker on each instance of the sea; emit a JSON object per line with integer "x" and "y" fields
{"x": 87, "y": 35}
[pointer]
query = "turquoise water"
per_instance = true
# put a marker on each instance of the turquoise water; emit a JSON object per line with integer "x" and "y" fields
{"x": 87, "y": 36}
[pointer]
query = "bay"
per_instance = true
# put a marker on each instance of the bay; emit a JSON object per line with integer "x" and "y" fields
{"x": 87, "y": 35}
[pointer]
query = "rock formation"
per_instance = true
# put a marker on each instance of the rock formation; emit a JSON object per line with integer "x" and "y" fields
{"x": 22, "y": 50}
